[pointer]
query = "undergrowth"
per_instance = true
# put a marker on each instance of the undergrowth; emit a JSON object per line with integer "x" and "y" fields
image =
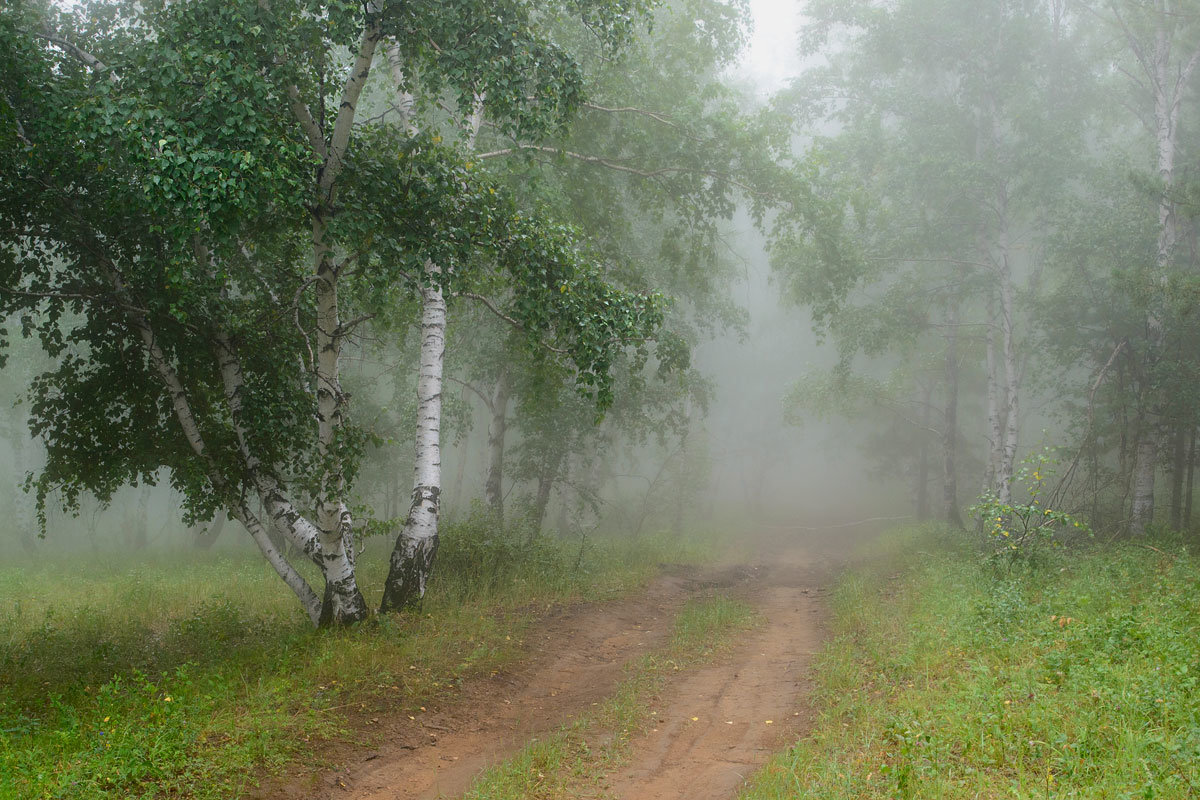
{"x": 576, "y": 756}
{"x": 197, "y": 677}
{"x": 1073, "y": 676}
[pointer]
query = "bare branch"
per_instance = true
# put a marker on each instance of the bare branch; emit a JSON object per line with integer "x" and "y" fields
{"x": 312, "y": 360}
{"x": 580, "y": 157}
{"x": 1087, "y": 432}
{"x": 642, "y": 173}
{"x": 1134, "y": 44}
{"x": 1185, "y": 76}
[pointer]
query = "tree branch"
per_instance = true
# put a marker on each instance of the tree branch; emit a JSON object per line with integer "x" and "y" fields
{"x": 486, "y": 400}
{"x": 348, "y": 105}
{"x": 77, "y": 52}
{"x": 16, "y": 120}
{"x": 1131, "y": 40}
{"x": 492, "y": 307}
{"x": 303, "y": 114}
{"x": 1087, "y": 432}
{"x": 638, "y": 111}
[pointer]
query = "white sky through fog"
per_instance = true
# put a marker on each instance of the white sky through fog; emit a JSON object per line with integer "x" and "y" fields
{"x": 771, "y": 58}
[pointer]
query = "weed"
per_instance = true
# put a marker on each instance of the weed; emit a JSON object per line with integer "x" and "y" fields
{"x": 1078, "y": 681}
{"x": 575, "y": 756}
{"x": 195, "y": 677}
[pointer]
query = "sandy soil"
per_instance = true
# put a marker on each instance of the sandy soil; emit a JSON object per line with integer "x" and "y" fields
{"x": 747, "y": 704}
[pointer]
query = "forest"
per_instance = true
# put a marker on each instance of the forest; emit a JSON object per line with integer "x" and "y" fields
{"x": 599, "y": 398}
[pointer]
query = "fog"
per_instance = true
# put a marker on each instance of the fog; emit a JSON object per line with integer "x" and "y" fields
{"x": 917, "y": 257}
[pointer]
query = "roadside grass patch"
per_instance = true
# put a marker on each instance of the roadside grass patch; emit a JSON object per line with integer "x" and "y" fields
{"x": 577, "y": 755}
{"x": 198, "y": 675}
{"x": 1073, "y": 677}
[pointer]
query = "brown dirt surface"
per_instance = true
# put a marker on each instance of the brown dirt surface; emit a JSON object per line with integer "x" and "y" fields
{"x": 718, "y": 724}
{"x": 577, "y": 656}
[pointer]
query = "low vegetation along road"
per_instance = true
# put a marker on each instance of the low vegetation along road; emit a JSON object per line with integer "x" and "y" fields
{"x": 697, "y": 718}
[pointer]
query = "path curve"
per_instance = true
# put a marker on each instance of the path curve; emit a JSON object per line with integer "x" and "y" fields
{"x": 578, "y": 660}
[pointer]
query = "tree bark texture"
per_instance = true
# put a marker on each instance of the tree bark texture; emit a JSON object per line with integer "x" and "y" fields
{"x": 412, "y": 557}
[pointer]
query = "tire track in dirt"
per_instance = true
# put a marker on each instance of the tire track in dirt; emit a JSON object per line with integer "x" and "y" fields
{"x": 718, "y": 724}
{"x": 578, "y": 658}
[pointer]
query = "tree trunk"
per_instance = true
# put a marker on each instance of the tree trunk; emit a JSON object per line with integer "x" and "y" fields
{"x": 950, "y": 511}
{"x": 21, "y": 518}
{"x": 1012, "y": 378}
{"x": 542, "y": 499}
{"x": 548, "y": 476}
{"x": 139, "y": 536}
{"x": 1178, "y": 467}
{"x": 995, "y": 407}
{"x": 344, "y": 602}
{"x": 493, "y": 491}
{"x": 1169, "y": 83}
{"x": 1144, "y": 468}
{"x": 1191, "y": 474}
{"x": 206, "y": 536}
{"x": 313, "y": 606}
{"x": 416, "y": 546}
{"x": 923, "y": 455}
{"x": 329, "y": 542}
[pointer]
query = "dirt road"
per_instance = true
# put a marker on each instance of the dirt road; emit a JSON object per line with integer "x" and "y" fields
{"x": 747, "y": 704}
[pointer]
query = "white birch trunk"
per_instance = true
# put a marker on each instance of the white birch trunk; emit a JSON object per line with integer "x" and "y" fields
{"x": 412, "y": 556}
{"x": 308, "y": 598}
{"x": 191, "y": 430}
{"x": 1003, "y": 401}
{"x": 343, "y": 600}
{"x": 416, "y": 546}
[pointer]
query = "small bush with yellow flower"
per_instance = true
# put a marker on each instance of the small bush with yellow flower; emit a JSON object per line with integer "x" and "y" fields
{"x": 1016, "y": 530}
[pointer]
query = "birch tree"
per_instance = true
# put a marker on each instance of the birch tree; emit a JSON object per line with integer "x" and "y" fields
{"x": 1161, "y": 50}
{"x": 651, "y": 168}
{"x": 197, "y": 222}
{"x": 949, "y": 136}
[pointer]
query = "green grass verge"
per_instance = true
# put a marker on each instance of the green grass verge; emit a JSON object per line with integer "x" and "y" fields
{"x": 576, "y": 756}
{"x": 1074, "y": 679}
{"x": 195, "y": 677}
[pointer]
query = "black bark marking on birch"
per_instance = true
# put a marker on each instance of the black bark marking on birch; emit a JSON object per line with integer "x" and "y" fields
{"x": 408, "y": 575}
{"x": 354, "y": 606}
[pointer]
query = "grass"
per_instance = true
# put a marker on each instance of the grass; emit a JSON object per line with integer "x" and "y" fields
{"x": 1075, "y": 677}
{"x": 197, "y": 677}
{"x": 575, "y": 757}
